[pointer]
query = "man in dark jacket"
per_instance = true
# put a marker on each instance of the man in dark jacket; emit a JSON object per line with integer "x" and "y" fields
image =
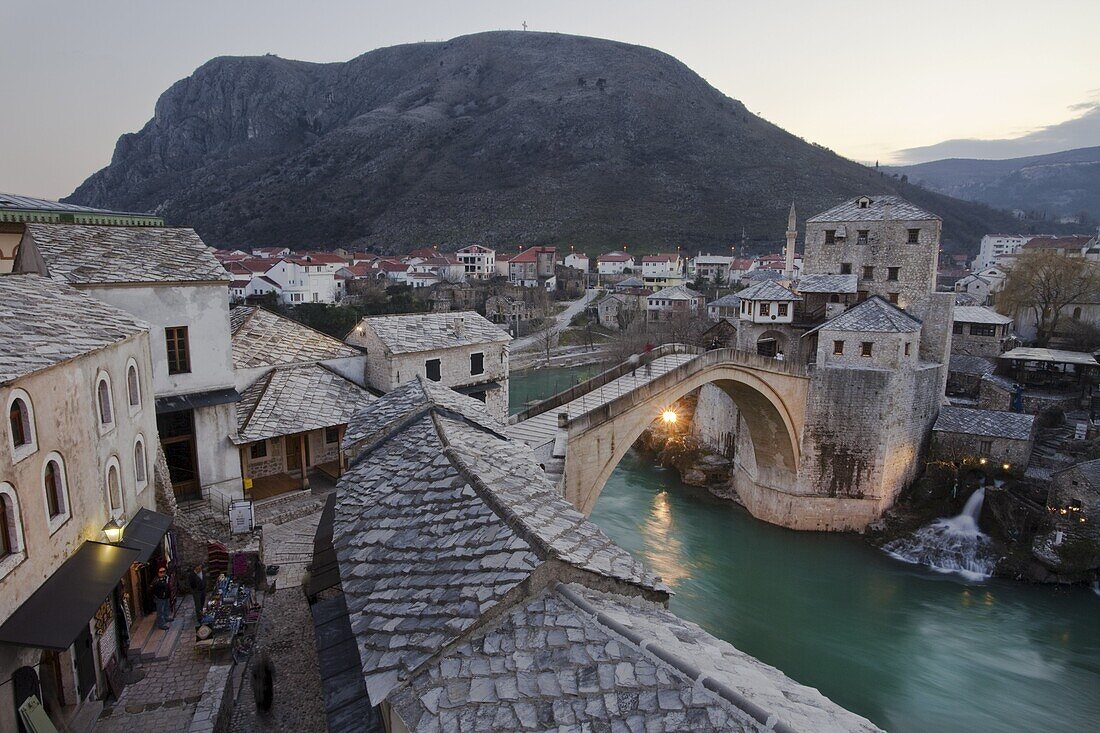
{"x": 162, "y": 597}
{"x": 196, "y": 583}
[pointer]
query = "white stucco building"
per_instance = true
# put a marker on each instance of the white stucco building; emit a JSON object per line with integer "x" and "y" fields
{"x": 995, "y": 248}
{"x": 478, "y": 262}
{"x": 77, "y": 451}
{"x": 170, "y": 279}
{"x": 614, "y": 263}
{"x": 463, "y": 351}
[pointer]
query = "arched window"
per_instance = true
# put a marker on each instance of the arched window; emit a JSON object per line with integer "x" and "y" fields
{"x": 11, "y": 530}
{"x": 53, "y": 481}
{"x": 21, "y": 429}
{"x": 114, "y": 487}
{"x": 140, "y": 466}
{"x": 1077, "y": 313}
{"x": 133, "y": 386}
{"x": 103, "y": 402}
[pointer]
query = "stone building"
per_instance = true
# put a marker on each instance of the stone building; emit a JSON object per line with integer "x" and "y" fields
{"x": 1071, "y": 542}
{"x": 170, "y": 279}
{"x": 980, "y": 331}
{"x": 298, "y": 389}
{"x": 79, "y": 449}
{"x": 728, "y": 306}
{"x": 617, "y": 310}
{"x": 887, "y": 242}
{"x": 1003, "y": 439}
{"x": 532, "y": 267}
{"x": 463, "y": 351}
{"x": 764, "y": 307}
{"x": 673, "y": 302}
{"x": 455, "y": 589}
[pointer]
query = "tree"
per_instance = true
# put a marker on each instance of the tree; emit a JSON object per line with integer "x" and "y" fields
{"x": 1044, "y": 283}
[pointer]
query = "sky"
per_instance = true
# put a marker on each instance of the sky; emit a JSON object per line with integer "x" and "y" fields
{"x": 887, "y": 81}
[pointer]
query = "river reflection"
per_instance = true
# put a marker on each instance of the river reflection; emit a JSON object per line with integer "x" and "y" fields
{"x": 913, "y": 650}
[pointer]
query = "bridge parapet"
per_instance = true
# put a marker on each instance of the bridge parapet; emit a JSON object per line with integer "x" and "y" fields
{"x": 705, "y": 360}
{"x": 601, "y": 379}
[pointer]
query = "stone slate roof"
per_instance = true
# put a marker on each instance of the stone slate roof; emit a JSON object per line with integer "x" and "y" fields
{"x": 44, "y": 323}
{"x": 15, "y": 202}
{"x": 408, "y": 334}
{"x": 979, "y": 314}
{"x": 824, "y": 283}
{"x": 676, "y": 292}
{"x": 991, "y": 423}
{"x": 899, "y": 208}
{"x": 873, "y": 315}
{"x": 262, "y": 338}
{"x": 964, "y": 364}
{"x": 726, "y": 301}
{"x": 763, "y": 274}
{"x": 294, "y": 399}
{"x": 1089, "y": 470}
{"x": 767, "y": 290}
{"x": 630, "y": 282}
{"x": 92, "y": 255}
{"x": 438, "y": 518}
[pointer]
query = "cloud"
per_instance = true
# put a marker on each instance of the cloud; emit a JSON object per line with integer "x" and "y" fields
{"x": 1082, "y": 131}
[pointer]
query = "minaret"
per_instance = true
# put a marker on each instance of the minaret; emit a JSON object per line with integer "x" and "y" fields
{"x": 792, "y": 234}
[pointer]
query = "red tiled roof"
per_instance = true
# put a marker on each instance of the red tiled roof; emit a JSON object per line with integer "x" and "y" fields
{"x": 1074, "y": 241}
{"x": 532, "y": 254}
{"x": 659, "y": 258}
{"x": 326, "y": 257}
{"x": 391, "y": 266}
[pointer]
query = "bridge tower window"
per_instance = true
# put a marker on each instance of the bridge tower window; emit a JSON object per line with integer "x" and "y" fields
{"x": 838, "y": 348}
{"x": 865, "y": 348}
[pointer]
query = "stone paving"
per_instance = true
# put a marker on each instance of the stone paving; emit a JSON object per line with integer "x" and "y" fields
{"x": 166, "y": 696}
{"x": 290, "y": 546}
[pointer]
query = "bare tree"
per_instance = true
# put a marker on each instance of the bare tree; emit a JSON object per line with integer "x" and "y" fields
{"x": 546, "y": 341}
{"x": 1044, "y": 283}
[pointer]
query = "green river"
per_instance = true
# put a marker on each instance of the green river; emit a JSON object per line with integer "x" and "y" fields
{"x": 912, "y": 650}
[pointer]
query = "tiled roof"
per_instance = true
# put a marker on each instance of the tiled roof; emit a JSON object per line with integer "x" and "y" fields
{"x": 1089, "y": 470}
{"x": 990, "y": 423}
{"x": 104, "y": 254}
{"x": 262, "y": 338}
{"x": 1074, "y": 241}
{"x": 977, "y": 365}
{"x": 44, "y": 323}
{"x": 16, "y": 202}
{"x": 876, "y": 210}
{"x": 979, "y": 314}
{"x": 409, "y": 334}
{"x": 660, "y": 258}
{"x": 676, "y": 292}
{"x": 532, "y": 254}
{"x": 767, "y": 290}
{"x": 823, "y": 283}
{"x": 294, "y": 399}
{"x": 438, "y": 518}
{"x": 872, "y": 315}
{"x": 614, "y": 257}
{"x": 630, "y": 282}
{"x": 761, "y": 274}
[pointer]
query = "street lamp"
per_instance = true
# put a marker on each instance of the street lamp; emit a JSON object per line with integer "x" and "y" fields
{"x": 669, "y": 416}
{"x": 113, "y": 530}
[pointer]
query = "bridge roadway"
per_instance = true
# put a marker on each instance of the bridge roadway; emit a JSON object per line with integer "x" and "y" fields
{"x": 539, "y": 431}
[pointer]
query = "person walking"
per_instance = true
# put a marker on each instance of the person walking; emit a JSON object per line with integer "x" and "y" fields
{"x": 162, "y": 597}
{"x": 196, "y": 583}
{"x": 649, "y": 362}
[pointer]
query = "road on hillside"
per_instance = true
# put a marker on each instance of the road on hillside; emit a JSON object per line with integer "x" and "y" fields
{"x": 561, "y": 321}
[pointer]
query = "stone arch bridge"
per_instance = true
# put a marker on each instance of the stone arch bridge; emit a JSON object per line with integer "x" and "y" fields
{"x": 581, "y": 434}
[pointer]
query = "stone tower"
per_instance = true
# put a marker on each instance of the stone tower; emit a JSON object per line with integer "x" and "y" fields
{"x": 792, "y": 234}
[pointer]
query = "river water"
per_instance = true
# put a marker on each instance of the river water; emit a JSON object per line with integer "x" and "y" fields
{"x": 913, "y": 650}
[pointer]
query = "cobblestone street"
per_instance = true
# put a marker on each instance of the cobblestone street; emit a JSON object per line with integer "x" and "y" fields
{"x": 287, "y": 637}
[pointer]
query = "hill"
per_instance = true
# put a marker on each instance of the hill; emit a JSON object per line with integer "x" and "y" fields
{"x": 1057, "y": 185}
{"x": 503, "y": 138}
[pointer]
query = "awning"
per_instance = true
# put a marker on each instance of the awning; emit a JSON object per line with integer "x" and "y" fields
{"x": 195, "y": 400}
{"x": 1052, "y": 356}
{"x": 62, "y": 606}
{"x": 145, "y": 531}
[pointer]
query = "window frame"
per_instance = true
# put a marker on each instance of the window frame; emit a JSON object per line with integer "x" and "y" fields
{"x": 830, "y": 236}
{"x": 30, "y": 445}
{"x": 258, "y": 450}
{"x": 838, "y": 347}
{"x": 173, "y": 337}
{"x": 868, "y": 272}
{"x": 913, "y": 236}
{"x": 141, "y": 481}
{"x": 12, "y": 520}
{"x": 783, "y": 310}
{"x": 893, "y": 274}
{"x": 335, "y": 431}
{"x": 481, "y": 370}
{"x": 845, "y": 268}
{"x": 55, "y": 521}
{"x": 133, "y": 389}
{"x": 114, "y": 465}
{"x": 106, "y": 423}
{"x": 438, "y": 369}
{"x": 866, "y": 349}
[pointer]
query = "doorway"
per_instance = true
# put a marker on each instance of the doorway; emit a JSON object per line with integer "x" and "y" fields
{"x": 177, "y": 438}
{"x": 293, "y": 452}
{"x": 85, "y": 663}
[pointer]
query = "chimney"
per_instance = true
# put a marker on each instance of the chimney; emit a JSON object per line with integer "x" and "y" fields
{"x": 459, "y": 325}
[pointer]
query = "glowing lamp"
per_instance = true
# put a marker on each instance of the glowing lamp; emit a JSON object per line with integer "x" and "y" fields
{"x": 1005, "y": 466}
{"x": 113, "y": 530}
{"x": 669, "y": 416}
{"x": 982, "y": 461}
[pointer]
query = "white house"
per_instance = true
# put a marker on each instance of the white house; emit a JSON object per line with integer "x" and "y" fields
{"x": 662, "y": 270}
{"x": 710, "y": 268}
{"x": 576, "y": 260}
{"x": 614, "y": 263}
{"x": 995, "y": 247}
{"x": 767, "y": 302}
{"x": 78, "y": 451}
{"x": 478, "y": 262}
{"x": 463, "y": 351}
{"x": 674, "y": 301}
{"x": 171, "y": 280}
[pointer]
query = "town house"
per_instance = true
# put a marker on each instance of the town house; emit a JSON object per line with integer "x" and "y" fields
{"x": 980, "y": 331}
{"x": 478, "y": 262}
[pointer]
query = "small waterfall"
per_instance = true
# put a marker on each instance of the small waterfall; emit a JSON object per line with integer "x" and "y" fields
{"x": 950, "y": 545}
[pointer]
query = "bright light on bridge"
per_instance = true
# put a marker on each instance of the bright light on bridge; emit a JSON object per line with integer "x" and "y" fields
{"x": 669, "y": 416}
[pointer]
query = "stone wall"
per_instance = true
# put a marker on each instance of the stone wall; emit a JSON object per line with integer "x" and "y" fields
{"x": 957, "y": 446}
{"x": 716, "y": 420}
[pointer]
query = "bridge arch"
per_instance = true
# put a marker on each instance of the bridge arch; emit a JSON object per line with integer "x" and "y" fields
{"x": 770, "y": 395}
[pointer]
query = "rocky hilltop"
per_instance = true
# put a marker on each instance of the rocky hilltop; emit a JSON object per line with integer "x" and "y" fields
{"x": 504, "y": 138}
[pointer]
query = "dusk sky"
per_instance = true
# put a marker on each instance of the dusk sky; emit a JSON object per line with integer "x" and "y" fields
{"x": 868, "y": 80}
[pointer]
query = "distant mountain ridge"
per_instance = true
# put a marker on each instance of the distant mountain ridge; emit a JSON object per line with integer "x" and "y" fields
{"x": 1058, "y": 184}
{"x": 504, "y": 138}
